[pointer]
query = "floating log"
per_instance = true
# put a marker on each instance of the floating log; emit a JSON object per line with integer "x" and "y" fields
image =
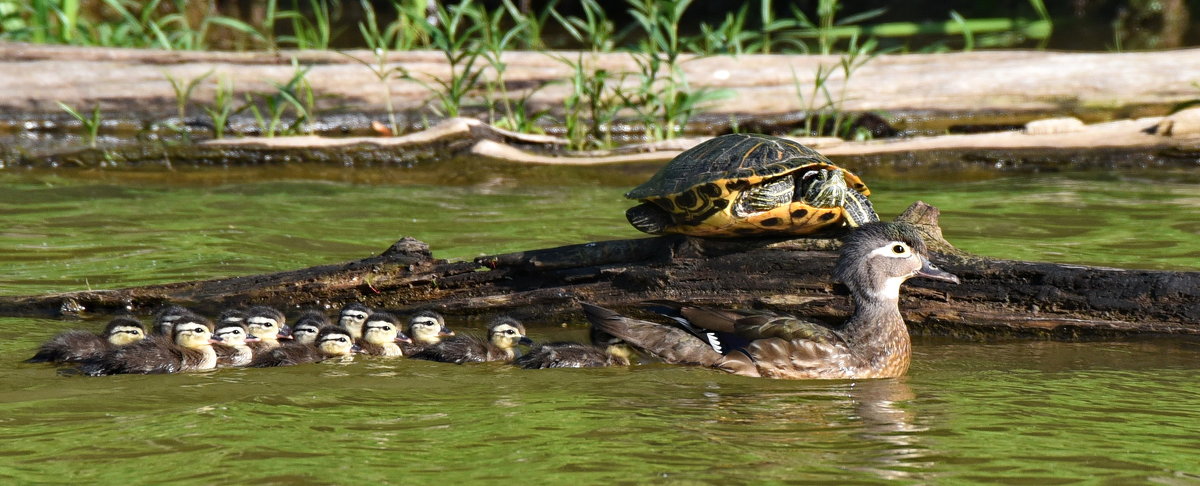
{"x": 996, "y": 297}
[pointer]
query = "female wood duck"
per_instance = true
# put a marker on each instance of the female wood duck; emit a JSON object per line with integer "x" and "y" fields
{"x": 189, "y": 349}
{"x": 873, "y": 343}
{"x": 605, "y": 350}
{"x": 268, "y": 325}
{"x": 381, "y": 336}
{"x": 332, "y": 342}
{"x": 504, "y": 334}
{"x": 425, "y": 329}
{"x": 76, "y": 346}
{"x": 233, "y": 344}
{"x": 352, "y": 317}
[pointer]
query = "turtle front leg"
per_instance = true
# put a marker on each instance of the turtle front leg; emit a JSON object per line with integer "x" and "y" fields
{"x": 649, "y": 218}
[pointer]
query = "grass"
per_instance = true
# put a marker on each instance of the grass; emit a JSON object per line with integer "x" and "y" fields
{"x": 472, "y": 38}
{"x": 91, "y": 124}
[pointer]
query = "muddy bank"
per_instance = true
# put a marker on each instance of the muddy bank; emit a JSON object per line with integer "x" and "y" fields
{"x": 996, "y": 297}
{"x": 914, "y": 92}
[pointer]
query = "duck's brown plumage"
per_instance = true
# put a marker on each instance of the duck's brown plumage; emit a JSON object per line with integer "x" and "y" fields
{"x": 328, "y": 345}
{"x": 873, "y": 343}
{"x": 76, "y": 346}
{"x": 500, "y": 345}
{"x": 605, "y": 350}
{"x": 188, "y": 349}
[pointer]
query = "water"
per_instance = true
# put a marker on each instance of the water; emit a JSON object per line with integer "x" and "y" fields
{"x": 1009, "y": 412}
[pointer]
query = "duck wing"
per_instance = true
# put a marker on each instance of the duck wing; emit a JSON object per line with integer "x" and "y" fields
{"x": 71, "y": 346}
{"x": 456, "y": 349}
{"x": 563, "y": 355}
{"x": 667, "y": 343}
{"x": 287, "y": 355}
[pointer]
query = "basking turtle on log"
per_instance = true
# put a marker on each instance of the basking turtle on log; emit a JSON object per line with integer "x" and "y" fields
{"x": 742, "y": 184}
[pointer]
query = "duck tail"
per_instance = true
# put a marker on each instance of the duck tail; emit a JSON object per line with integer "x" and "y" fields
{"x": 670, "y": 344}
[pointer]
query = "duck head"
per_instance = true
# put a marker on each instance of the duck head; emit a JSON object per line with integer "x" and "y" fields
{"x": 232, "y": 316}
{"x": 124, "y": 330}
{"x": 352, "y": 317}
{"x": 165, "y": 318}
{"x": 333, "y": 341}
{"x": 381, "y": 329}
{"x": 193, "y": 332}
{"x": 267, "y": 323}
{"x": 878, "y": 257}
{"x": 428, "y": 327}
{"x": 506, "y": 333}
{"x": 233, "y": 335}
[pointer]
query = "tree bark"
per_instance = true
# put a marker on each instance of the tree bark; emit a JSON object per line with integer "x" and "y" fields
{"x": 996, "y": 297}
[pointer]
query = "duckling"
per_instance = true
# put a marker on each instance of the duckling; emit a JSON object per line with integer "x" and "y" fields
{"x": 232, "y": 316}
{"x": 165, "y": 317}
{"x": 380, "y": 336}
{"x": 189, "y": 349}
{"x": 352, "y": 317}
{"x": 874, "y": 343}
{"x": 503, "y": 336}
{"x": 605, "y": 350}
{"x": 333, "y": 342}
{"x": 425, "y": 329}
{"x": 268, "y": 325}
{"x": 232, "y": 344}
{"x": 307, "y": 326}
{"x": 77, "y": 346}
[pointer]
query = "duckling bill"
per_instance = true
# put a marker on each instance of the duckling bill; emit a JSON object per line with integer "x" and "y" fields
{"x": 873, "y": 343}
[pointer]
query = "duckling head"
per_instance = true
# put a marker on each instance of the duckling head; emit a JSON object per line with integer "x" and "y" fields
{"x": 506, "y": 333}
{"x": 124, "y": 330}
{"x": 381, "y": 329}
{"x": 428, "y": 327}
{"x": 352, "y": 317}
{"x": 333, "y": 341}
{"x": 193, "y": 332}
{"x": 878, "y": 257}
{"x": 267, "y": 323}
{"x": 305, "y": 332}
{"x": 233, "y": 334}
{"x": 232, "y": 316}
{"x": 165, "y": 318}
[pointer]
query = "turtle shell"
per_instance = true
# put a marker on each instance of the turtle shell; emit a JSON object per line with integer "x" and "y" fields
{"x": 717, "y": 188}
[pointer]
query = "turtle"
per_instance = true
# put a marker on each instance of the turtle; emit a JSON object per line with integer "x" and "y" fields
{"x": 749, "y": 184}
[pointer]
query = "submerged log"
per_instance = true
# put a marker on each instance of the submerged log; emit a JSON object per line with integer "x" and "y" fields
{"x": 996, "y": 297}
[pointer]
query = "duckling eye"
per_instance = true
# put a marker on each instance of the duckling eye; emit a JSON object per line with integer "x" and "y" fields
{"x": 899, "y": 249}
{"x": 510, "y": 332}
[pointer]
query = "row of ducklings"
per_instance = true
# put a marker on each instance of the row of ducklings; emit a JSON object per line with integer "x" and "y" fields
{"x": 182, "y": 340}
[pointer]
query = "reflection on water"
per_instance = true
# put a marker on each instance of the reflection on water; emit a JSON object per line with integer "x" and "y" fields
{"x": 1032, "y": 412}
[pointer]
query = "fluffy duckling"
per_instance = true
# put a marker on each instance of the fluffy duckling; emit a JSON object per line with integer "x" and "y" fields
{"x": 503, "y": 336}
{"x": 268, "y": 325}
{"x": 605, "y": 350}
{"x": 232, "y": 316}
{"x": 352, "y": 317}
{"x": 232, "y": 344}
{"x": 333, "y": 342}
{"x": 189, "y": 349}
{"x": 381, "y": 335}
{"x": 165, "y": 317}
{"x": 874, "y": 343}
{"x": 76, "y": 346}
{"x": 305, "y": 330}
{"x": 425, "y": 329}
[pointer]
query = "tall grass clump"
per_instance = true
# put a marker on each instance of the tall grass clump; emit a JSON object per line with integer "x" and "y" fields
{"x": 825, "y": 111}
{"x": 90, "y": 124}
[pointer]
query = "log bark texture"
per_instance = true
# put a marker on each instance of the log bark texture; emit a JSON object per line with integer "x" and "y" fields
{"x": 996, "y": 297}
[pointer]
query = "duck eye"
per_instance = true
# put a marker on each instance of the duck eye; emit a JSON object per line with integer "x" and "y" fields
{"x": 898, "y": 249}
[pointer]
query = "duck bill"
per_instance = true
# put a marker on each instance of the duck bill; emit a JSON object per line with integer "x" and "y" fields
{"x": 215, "y": 340}
{"x": 525, "y": 340}
{"x": 445, "y": 332}
{"x": 253, "y": 339}
{"x": 403, "y": 338}
{"x": 929, "y": 270}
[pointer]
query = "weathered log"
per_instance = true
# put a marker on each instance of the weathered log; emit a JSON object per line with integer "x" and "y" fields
{"x": 996, "y": 297}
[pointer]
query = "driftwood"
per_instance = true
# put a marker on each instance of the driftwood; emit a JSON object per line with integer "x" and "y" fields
{"x": 981, "y": 87}
{"x": 996, "y": 297}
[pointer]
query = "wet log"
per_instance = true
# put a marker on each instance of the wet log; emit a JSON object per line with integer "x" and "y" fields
{"x": 996, "y": 297}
